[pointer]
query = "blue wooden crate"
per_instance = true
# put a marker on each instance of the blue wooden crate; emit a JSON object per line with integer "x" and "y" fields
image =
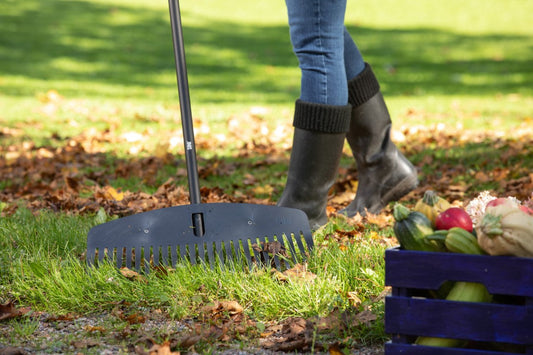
{"x": 502, "y": 327}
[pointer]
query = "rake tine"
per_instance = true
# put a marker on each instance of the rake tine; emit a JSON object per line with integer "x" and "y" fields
{"x": 229, "y": 254}
{"x": 138, "y": 255}
{"x": 200, "y": 251}
{"x": 119, "y": 258}
{"x": 128, "y": 256}
{"x": 246, "y": 250}
{"x": 164, "y": 255}
{"x": 210, "y": 255}
{"x": 173, "y": 255}
{"x": 183, "y": 253}
{"x": 266, "y": 256}
{"x": 101, "y": 254}
{"x": 303, "y": 250}
{"x": 257, "y": 254}
{"x": 276, "y": 262}
{"x": 90, "y": 256}
{"x": 192, "y": 253}
{"x": 288, "y": 242}
{"x": 218, "y": 256}
{"x": 155, "y": 256}
{"x": 146, "y": 267}
{"x": 239, "y": 253}
{"x": 281, "y": 258}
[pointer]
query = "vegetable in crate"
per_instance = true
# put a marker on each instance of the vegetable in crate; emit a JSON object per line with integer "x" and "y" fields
{"x": 506, "y": 229}
{"x": 431, "y": 205}
{"x": 458, "y": 240}
{"x": 454, "y": 217}
{"x": 463, "y": 292}
{"x": 504, "y": 200}
{"x": 411, "y": 229}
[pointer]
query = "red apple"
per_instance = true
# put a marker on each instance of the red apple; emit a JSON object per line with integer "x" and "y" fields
{"x": 454, "y": 217}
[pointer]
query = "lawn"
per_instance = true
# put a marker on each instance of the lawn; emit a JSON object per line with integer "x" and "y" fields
{"x": 89, "y": 130}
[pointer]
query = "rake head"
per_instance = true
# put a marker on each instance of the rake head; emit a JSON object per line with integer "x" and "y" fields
{"x": 209, "y": 233}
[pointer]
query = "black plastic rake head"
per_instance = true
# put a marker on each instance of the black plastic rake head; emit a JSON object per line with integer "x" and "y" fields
{"x": 233, "y": 234}
{"x": 210, "y": 233}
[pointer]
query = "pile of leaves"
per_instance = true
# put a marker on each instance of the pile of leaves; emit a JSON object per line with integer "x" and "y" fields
{"x": 77, "y": 175}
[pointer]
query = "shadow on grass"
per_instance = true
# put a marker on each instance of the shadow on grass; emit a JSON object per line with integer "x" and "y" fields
{"x": 86, "y": 42}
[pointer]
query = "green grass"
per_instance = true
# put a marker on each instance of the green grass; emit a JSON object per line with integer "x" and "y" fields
{"x": 117, "y": 55}
{"x": 41, "y": 267}
{"x": 455, "y": 63}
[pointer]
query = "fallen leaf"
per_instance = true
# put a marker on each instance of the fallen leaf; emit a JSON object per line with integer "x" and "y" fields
{"x": 84, "y": 344}
{"x": 355, "y": 301}
{"x": 163, "y": 349}
{"x": 112, "y": 194}
{"x": 230, "y": 307}
{"x": 12, "y": 351}
{"x": 364, "y": 317}
{"x": 297, "y": 273}
{"x": 94, "y": 329}
{"x": 132, "y": 275}
{"x": 334, "y": 349}
{"x": 8, "y": 311}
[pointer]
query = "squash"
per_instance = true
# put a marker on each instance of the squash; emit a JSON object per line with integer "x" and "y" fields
{"x": 506, "y": 229}
{"x": 431, "y": 205}
{"x": 457, "y": 240}
{"x": 463, "y": 292}
{"x": 411, "y": 228}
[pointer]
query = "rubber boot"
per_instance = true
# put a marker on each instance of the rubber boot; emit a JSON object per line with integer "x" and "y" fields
{"x": 319, "y": 134}
{"x": 384, "y": 173}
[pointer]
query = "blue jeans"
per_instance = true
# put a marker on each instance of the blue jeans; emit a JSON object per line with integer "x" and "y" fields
{"x": 327, "y": 54}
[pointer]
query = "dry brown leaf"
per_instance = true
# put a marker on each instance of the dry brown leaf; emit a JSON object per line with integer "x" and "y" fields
{"x": 94, "y": 329}
{"x": 13, "y": 351}
{"x": 334, "y": 349}
{"x": 163, "y": 349}
{"x": 8, "y": 311}
{"x": 85, "y": 344}
{"x": 364, "y": 317}
{"x": 132, "y": 275}
{"x": 354, "y": 299}
{"x": 111, "y": 193}
{"x": 298, "y": 273}
{"x": 231, "y": 307}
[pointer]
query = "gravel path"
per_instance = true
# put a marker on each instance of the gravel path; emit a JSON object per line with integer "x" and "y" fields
{"x": 107, "y": 335}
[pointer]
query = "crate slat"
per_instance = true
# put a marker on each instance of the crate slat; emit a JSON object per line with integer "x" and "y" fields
{"x": 507, "y": 322}
{"x": 407, "y": 349}
{"x": 500, "y": 274}
{"x": 459, "y": 320}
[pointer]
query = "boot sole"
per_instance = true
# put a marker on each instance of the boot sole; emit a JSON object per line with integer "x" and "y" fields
{"x": 401, "y": 189}
{"x": 405, "y": 186}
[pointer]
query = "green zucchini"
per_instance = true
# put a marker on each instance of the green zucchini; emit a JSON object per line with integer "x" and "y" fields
{"x": 457, "y": 240}
{"x": 411, "y": 229}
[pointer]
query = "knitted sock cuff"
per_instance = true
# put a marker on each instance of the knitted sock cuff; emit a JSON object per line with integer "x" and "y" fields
{"x": 322, "y": 118}
{"x": 363, "y": 87}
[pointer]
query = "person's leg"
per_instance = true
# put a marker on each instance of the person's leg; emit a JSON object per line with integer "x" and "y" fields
{"x": 315, "y": 158}
{"x": 354, "y": 63}
{"x": 383, "y": 172}
{"x": 322, "y": 114}
{"x": 317, "y": 36}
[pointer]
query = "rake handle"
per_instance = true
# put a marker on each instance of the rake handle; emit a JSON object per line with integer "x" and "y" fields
{"x": 186, "y": 115}
{"x": 185, "y": 102}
